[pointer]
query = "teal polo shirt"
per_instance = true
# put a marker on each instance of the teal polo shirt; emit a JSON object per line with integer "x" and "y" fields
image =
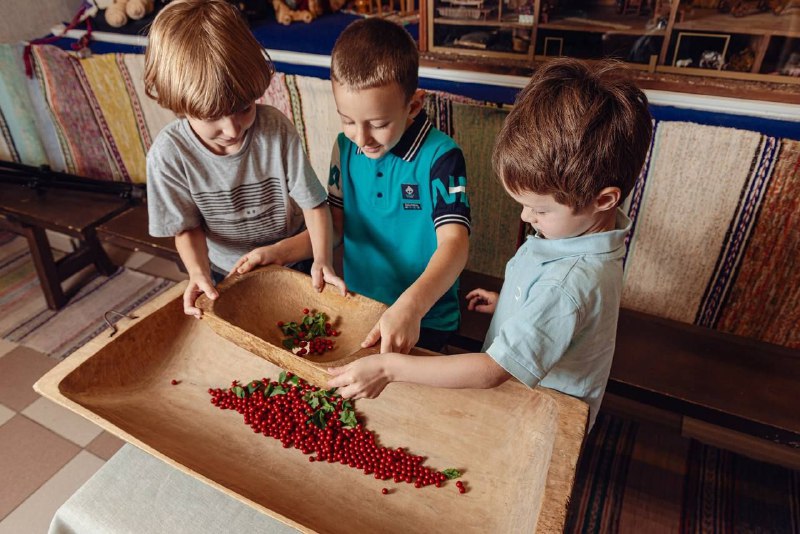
{"x": 555, "y": 323}
{"x": 392, "y": 208}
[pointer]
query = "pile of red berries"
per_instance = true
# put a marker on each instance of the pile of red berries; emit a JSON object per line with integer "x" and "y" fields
{"x": 322, "y": 425}
{"x": 310, "y": 336}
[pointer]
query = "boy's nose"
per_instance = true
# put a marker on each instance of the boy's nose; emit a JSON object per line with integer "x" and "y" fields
{"x": 231, "y": 128}
{"x": 362, "y": 136}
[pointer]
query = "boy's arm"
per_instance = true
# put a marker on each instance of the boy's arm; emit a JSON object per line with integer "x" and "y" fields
{"x": 320, "y": 230}
{"x": 193, "y": 250}
{"x": 398, "y": 328}
{"x": 367, "y": 377}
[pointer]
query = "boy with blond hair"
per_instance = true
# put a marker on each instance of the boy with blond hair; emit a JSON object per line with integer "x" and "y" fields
{"x": 397, "y": 189}
{"x": 229, "y": 178}
{"x": 569, "y": 153}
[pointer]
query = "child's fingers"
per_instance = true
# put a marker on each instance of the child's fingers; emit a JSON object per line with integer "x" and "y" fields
{"x": 208, "y": 289}
{"x": 476, "y": 293}
{"x": 483, "y": 308}
{"x": 244, "y": 265}
{"x": 336, "y": 371}
{"x": 317, "y": 279}
{"x": 373, "y": 336}
{"x": 337, "y": 282}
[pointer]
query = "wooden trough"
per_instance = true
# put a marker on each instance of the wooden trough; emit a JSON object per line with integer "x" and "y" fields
{"x": 250, "y": 305}
{"x": 516, "y": 447}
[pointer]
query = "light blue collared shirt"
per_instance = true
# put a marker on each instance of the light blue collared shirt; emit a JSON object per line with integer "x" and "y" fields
{"x": 556, "y": 319}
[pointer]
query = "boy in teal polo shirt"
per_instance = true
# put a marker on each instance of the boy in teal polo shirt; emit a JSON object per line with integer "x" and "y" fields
{"x": 397, "y": 189}
{"x": 569, "y": 153}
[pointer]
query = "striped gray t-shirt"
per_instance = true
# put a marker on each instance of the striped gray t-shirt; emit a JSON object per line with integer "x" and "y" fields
{"x": 244, "y": 200}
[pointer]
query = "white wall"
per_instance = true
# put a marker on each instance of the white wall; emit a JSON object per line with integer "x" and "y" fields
{"x": 28, "y": 19}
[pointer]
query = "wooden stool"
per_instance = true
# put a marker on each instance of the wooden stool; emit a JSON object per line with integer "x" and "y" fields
{"x": 28, "y": 212}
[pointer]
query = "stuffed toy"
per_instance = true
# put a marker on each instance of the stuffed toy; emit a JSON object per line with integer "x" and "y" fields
{"x": 288, "y": 11}
{"x": 118, "y": 13}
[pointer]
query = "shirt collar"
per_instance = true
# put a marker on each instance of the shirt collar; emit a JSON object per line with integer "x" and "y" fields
{"x": 408, "y": 146}
{"x": 612, "y": 241}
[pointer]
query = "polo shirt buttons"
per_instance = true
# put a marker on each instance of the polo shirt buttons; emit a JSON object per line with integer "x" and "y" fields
{"x": 380, "y": 195}
{"x": 380, "y": 175}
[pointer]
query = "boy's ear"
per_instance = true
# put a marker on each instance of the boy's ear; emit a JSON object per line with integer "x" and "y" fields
{"x": 417, "y": 101}
{"x": 608, "y": 198}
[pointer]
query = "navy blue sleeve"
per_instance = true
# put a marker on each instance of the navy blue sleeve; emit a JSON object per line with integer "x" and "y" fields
{"x": 449, "y": 190}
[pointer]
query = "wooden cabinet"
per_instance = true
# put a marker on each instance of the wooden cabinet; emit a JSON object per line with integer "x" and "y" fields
{"x": 737, "y": 39}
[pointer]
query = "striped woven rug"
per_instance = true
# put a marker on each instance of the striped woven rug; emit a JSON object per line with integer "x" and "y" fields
{"x": 26, "y": 319}
{"x": 636, "y": 478}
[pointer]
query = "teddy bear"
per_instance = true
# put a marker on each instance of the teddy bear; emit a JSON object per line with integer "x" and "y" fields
{"x": 118, "y": 12}
{"x": 288, "y": 11}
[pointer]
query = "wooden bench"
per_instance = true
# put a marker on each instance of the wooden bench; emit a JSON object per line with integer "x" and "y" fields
{"x": 30, "y": 212}
{"x": 730, "y": 381}
{"x": 128, "y": 230}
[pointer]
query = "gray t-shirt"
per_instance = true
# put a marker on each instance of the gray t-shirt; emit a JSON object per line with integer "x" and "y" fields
{"x": 252, "y": 198}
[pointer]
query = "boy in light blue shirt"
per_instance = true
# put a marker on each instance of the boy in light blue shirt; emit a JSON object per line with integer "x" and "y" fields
{"x": 569, "y": 153}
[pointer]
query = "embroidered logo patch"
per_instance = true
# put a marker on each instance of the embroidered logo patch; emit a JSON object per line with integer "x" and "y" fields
{"x": 410, "y": 191}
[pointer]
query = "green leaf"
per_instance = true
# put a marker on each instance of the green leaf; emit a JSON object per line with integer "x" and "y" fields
{"x": 347, "y": 405}
{"x": 314, "y": 402}
{"x": 277, "y": 390}
{"x": 348, "y": 418}
{"x": 451, "y": 473}
{"x": 326, "y": 406}
{"x": 295, "y": 380}
{"x": 268, "y": 390}
{"x": 318, "y": 419}
{"x": 288, "y": 343}
{"x": 238, "y": 391}
{"x": 282, "y": 377}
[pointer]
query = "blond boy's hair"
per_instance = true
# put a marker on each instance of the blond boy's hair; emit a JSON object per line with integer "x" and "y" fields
{"x": 374, "y": 52}
{"x": 202, "y": 61}
{"x": 575, "y": 129}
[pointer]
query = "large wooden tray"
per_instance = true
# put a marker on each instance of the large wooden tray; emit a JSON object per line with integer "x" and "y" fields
{"x": 250, "y": 305}
{"x": 517, "y": 447}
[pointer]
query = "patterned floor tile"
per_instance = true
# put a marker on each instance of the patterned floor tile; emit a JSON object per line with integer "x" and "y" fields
{"x": 63, "y": 422}
{"x": 19, "y": 369}
{"x": 29, "y": 455}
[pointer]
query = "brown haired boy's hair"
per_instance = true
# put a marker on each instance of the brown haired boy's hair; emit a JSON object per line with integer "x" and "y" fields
{"x": 203, "y": 61}
{"x": 574, "y": 130}
{"x": 374, "y": 52}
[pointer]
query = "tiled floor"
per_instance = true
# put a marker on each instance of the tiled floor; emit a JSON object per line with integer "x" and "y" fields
{"x": 46, "y": 451}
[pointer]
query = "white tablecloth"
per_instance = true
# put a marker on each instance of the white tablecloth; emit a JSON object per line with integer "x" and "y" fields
{"x": 137, "y": 493}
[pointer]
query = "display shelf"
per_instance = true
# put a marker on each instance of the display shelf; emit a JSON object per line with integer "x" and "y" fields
{"x": 604, "y": 20}
{"x": 711, "y": 20}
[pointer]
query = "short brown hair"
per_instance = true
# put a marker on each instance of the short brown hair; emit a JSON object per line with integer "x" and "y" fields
{"x": 203, "y": 61}
{"x": 574, "y": 130}
{"x": 375, "y": 52}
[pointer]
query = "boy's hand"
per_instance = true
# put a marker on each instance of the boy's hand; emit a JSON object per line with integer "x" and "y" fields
{"x": 362, "y": 379}
{"x": 398, "y": 330}
{"x": 322, "y": 274}
{"x": 482, "y": 301}
{"x": 197, "y": 286}
{"x": 254, "y": 258}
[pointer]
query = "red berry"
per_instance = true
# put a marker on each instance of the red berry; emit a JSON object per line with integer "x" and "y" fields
{"x": 173, "y": 382}
{"x": 280, "y": 324}
{"x": 385, "y": 491}
{"x": 305, "y": 311}
{"x": 462, "y": 489}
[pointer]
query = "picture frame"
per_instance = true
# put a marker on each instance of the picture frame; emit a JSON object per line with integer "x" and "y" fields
{"x": 547, "y": 45}
{"x": 696, "y": 42}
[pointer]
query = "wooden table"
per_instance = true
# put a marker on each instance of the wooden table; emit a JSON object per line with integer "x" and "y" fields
{"x": 30, "y": 213}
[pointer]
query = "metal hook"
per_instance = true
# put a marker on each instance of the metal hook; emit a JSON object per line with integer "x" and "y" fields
{"x": 119, "y": 314}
